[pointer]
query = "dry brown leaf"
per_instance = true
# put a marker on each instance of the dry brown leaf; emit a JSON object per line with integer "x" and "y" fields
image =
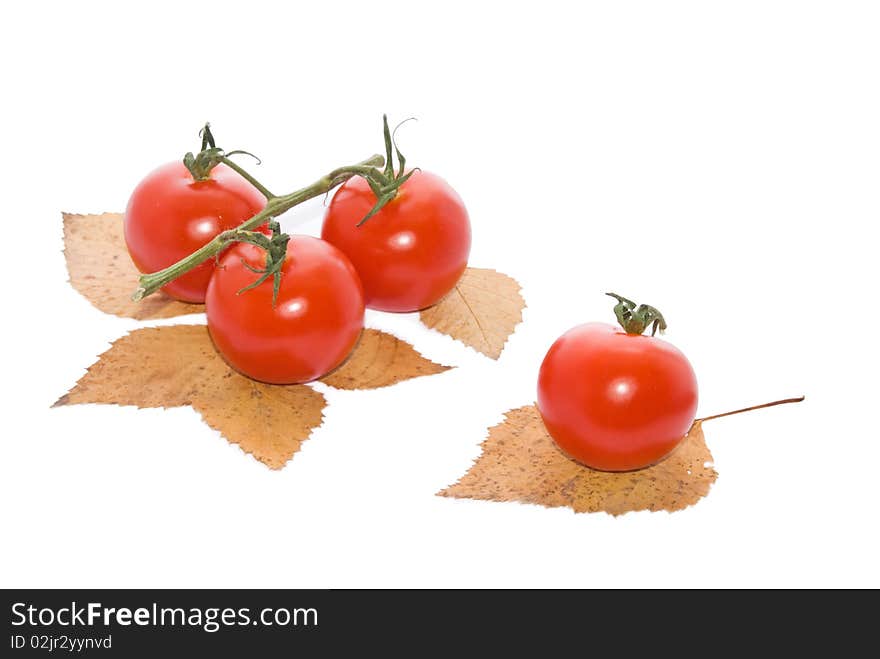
{"x": 101, "y": 270}
{"x": 177, "y": 365}
{"x": 481, "y": 311}
{"x": 520, "y": 462}
{"x": 380, "y": 360}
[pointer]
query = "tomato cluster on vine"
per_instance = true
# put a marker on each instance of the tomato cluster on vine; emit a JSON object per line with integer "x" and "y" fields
{"x": 289, "y": 309}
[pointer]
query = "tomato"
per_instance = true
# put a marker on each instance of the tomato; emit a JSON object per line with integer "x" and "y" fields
{"x": 314, "y": 324}
{"x": 616, "y": 401}
{"x": 413, "y": 251}
{"x": 170, "y": 215}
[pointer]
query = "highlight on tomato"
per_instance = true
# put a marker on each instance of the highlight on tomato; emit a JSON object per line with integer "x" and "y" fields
{"x": 412, "y": 250}
{"x": 181, "y": 206}
{"x": 614, "y": 399}
{"x": 284, "y": 314}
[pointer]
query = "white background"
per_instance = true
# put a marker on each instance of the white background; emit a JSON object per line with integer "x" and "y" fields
{"x": 718, "y": 160}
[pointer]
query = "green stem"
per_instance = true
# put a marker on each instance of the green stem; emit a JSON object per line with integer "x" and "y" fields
{"x": 247, "y": 176}
{"x": 275, "y": 206}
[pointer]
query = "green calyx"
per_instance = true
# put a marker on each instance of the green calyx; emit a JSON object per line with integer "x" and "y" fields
{"x": 635, "y": 320}
{"x": 201, "y": 164}
{"x": 211, "y": 155}
{"x": 386, "y": 184}
{"x": 276, "y": 251}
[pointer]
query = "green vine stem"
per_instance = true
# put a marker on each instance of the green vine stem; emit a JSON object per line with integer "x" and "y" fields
{"x": 635, "y": 320}
{"x": 244, "y": 174}
{"x": 275, "y": 206}
{"x": 384, "y": 184}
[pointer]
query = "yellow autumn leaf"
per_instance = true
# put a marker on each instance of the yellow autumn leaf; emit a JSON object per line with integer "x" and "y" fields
{"x": 481, "y": 311}
{"x": 177, "y": 365}
{"x": 101, "y": 270}
{"x": 520, "y": 462}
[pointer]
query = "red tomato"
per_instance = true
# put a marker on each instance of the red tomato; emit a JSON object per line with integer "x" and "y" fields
{"x": 413, "y": 251}
{"x": 616, "y": 401}
{"x": 314, "y": 325}
{"x": 170, "y": 215}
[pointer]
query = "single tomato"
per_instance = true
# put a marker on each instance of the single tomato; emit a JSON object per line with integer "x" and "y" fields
{"x": 310, "y": 329}
{"x": 616, "y": 401}
{"x": 170, "y": 215}
{"x": 413, "y": 251}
